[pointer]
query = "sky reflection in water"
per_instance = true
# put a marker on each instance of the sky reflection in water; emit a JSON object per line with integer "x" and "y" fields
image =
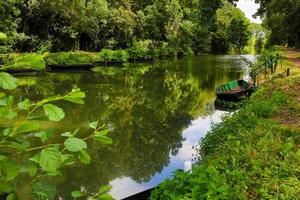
{"x": 125, "y": 186}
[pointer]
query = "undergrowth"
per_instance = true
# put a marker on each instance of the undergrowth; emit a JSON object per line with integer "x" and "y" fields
{"x": 249, "y": 155}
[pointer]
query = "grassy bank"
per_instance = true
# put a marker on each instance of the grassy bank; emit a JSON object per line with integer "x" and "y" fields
{"x": 253, "y": 154}
{"x": 105, "y": 56}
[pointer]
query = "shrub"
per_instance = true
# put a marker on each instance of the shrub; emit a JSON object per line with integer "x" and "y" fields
{"x": 60, "y": 58}
{"x": 166, "y": 52}
{"x": 81, "y": 58}
{"x": 106, "y": 55}
{"x": 140, "y": 49}
{"x": 70, "y": 58}
{"x": 121, "y": 56}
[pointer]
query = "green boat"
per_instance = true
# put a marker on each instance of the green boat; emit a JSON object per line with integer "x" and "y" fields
{"x": 234, "y": 90}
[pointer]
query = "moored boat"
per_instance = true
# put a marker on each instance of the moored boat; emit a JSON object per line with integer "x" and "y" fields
{"x": 234, "y": 90}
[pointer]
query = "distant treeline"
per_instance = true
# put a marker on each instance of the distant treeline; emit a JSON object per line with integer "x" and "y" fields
{"x": 174, "y": 26}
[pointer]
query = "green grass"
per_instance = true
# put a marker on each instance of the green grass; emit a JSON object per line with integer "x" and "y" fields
{"x": 105, "y": 56}
{"x": 250, "y": 155}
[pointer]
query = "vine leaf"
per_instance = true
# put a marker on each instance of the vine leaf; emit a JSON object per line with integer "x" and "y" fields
{"x": 53, "y": 112}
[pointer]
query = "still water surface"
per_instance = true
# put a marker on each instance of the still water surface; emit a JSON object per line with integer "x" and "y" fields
{"x": 156, "y": 113}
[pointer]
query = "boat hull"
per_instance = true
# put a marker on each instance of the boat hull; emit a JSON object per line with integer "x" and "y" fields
{"x": 234, "y": 91}
{"x": 234, "y": 96}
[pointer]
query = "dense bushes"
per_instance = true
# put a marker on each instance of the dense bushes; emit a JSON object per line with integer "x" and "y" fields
{"x": 70, "y": 58}
{"x": 103, "y": 57}
{"x": 248, "y": 156}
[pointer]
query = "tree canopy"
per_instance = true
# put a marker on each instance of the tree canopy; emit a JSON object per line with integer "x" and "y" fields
{"x": 179, "y": 26}
{"x": 282, "y": 19}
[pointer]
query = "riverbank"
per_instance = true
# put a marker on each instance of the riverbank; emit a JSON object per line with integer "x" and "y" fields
{"x": 86, "y": 60}
{"x": 252, "y": 154}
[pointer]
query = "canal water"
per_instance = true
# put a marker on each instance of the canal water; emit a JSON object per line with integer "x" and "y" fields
{"x": 156, "y": 113}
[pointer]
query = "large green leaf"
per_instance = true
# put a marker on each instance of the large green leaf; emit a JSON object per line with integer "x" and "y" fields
{"x": 7, "y": 81}
{"x": 53, "y": 112}
{"x": 50, "y": 159}
{"x": 10, "y": 169}
{"x": 29, "y": 126}
{"x": 75, "y": 144}
{"x": 30, "y": 61}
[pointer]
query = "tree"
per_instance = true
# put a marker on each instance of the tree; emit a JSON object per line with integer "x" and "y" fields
{"x": 10, "y": 12}
{"x": 62, "y": 25}
{"x": 238, "y": 33}
{"x": 282, "y": 19}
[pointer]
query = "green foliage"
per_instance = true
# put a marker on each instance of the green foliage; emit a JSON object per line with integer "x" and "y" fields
{"x": 7, "y": 81}
{"x": 92, "y": 25}
{"x": 24, "y": 62}
{"x": 232, "y": 30}
{"x": 71, "y": 58}
{"x": 247, "y": 156}
{"x": 73, "y": 144}
{"x": 121, "y": 56}
{"x": 140, "y": 49}
{"x": 238, "y": 33}
{"x": 10, "y": 15}
{"x": 101, "y": 194}
{"x": 39, "y": 160}
{"x": 106, "y": 55}
{"x": 281, "y": 19}
{"x": 53, "y": 112}
{"x": 3, "y": 36}
{"x": 43, "y": 190}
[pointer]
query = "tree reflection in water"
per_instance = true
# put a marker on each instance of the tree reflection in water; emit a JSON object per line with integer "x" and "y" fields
{"x": 146, "y": 106}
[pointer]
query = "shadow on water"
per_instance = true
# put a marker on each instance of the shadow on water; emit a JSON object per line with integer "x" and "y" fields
{"x": 155, "y": 112}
